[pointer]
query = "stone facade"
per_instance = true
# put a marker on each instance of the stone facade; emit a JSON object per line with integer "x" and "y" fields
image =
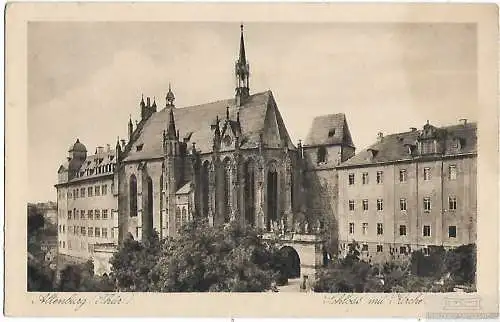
{"x": 397, "y": 196}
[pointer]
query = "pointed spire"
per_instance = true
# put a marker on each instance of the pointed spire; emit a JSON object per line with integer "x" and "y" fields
{"x": 142, "y": 100}
{"x": 227, "y": 112}
{"x": 242, "y": 59}
{"x": 171, "y": 132}
{"x": 130, "y": 127}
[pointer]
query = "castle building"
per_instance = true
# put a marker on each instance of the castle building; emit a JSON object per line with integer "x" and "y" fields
{"x": 410, "y": 190}
{"x": 86, "y": 202}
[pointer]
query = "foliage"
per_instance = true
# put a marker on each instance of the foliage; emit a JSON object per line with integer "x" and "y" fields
{"x": 233, "y": 258}
{"x": 134, "y": 264}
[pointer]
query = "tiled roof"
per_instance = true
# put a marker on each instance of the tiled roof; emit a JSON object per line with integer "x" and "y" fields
{"x": 329, "y": 129}
{"x": 195, "y": 122}
{"x": 395, "y": 147}
{"x": 94, "y": 161}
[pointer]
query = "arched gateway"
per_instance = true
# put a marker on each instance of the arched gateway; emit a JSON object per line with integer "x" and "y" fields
{"x": 291, "y": 262}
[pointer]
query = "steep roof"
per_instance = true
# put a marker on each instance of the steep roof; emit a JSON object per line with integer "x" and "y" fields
{"x": 258, "y": 113}
{"x": 329, "y": 129}
{"x": 92, "y": 162}
{"x": 395, "y": 147}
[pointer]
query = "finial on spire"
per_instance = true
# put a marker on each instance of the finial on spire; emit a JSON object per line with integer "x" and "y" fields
{"x": 170, "y": 96}
{"x": 227, "y": 112}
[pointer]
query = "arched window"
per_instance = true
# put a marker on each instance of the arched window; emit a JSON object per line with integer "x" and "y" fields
{"x": 147, "y": 214}
{"x": 204, "y": 188}
{"x": 227, "y": 189}
{"x": 321, "y": 154}
{"x": 184, "y": 216}
{"x": 249, "y": 169}
{"x": 133, "y": 196}
{"x": 272, "y": 195}
{"x": 178, "y": 218}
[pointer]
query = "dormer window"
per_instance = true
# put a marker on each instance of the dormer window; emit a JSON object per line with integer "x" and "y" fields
{"x": 427, "y": 147}
{"x": 321, "y": 154}
{"x": 139, "y": 147}
{"x": 331, "y": 133}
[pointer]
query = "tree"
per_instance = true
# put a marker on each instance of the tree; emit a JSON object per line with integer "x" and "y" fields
{"x": 233, "y": 258}
{"x": 461, "y": 264}
{"x": 134, "y": 264}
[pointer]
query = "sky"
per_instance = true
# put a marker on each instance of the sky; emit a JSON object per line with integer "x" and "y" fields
{"x": 86, "y": 78}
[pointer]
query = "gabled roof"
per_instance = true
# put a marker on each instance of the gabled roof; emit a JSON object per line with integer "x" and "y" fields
{"x": 395, "y": 147}
{"x": 184, "y": 189}
{"x": 198, "y": 119}
{"x": 329, "y": 129}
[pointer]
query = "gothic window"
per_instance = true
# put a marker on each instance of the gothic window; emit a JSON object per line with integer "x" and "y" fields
{"x": 184, "y": 216}
{"x": 250, "y": 192}
{"x": 133, "y": 196}
{"x": 227, "y": 188}
{"x": 178, "y": 218}
{"x": 272, "y": 196}
{"x": 147, "y": 215}
{"x": 204, "y": 188}
{"x": 321, "y": 154}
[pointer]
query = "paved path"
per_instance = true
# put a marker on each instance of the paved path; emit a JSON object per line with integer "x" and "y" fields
{"x": 292, "y": 286}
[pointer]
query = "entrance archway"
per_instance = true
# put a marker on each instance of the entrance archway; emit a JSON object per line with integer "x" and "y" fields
{"x": 291, "y": 262}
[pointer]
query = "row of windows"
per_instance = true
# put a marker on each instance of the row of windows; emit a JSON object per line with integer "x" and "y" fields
{"x": 426, "y": 230}
{"x": 91, "y": 214}
{"x": 89, "y": 191}
{"x": 83, "y": 245}
{"x": 452, "y": 175}
{"x": 402, "y": 249}
{"x": 90, "y": 231}
{"x": 97, "y": 170}
{"x": 452, "y": 204}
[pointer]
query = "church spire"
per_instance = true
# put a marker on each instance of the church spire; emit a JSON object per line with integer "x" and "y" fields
{"x": 171, "y": 132}
{"x": 242, "y": 73}
{"x": 170, "y": 97}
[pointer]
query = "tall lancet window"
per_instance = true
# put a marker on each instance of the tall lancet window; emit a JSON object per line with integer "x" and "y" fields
{"x": 250, "y": 192}
{"x": 133, "y": 196}
{"x": 227, "y": 190}
{"x": 272, "y": 196}
{"x": 204, "y": 188}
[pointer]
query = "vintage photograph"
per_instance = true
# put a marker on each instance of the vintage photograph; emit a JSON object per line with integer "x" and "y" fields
{"x": 194, "y": 174}
{"x": 205, "y": 165}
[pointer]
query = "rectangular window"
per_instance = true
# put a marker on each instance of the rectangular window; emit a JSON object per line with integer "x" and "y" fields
{"x": 402, "y": 250}
{"x": 69, "y": 214}
{"x": 380, "y": 177}
{"x": 105, "y": 214}
{"x": 452, "y": 231}
{"x": 351, "y": 178}
{"x": 365, "y": 204}
{"x": 90, "y": 214}
{"x": 104, "y": 233}
{"x": 83, "y": 231}
{"x": 427, "y": 147}
{"x": 76, "y": 193}
{"x": 69, "y": 195}
{"x": 75, "y": 230}
{"x": 60, "y": 229}
{"x": 351, "y": 205}
{"x": 97, "y": 214}
{"x": 112, "y": 230}
{"x": 104, "y": 190}
{"x": 427, "y": 231}
{"x": 82, "y": 192}
{"x": 380, "y": 204}
{"x": 402, "y": 230}
{"x": 380, "y": 229}
{"x": 69, "y": 244}
{"x": 380, "y": 248}
{"x": 426, "y": 251}
{"x": 364, "y": 248}
{"x": 365, "y": 178}
{"x": 64, "y": 244}
{"x": 365, "y": 228}
{"x": 97, "y": 190}
{"x": 452, "y": 172}
{"x": 97, "y": 232}
{"x": 427, "y": 204}
{"x": 90, "y": 191}
{"x": 402, "y": 175}
{"x": 452, "y": 203}
{"x": 351, "y": 228}
{"x": 82, "y": 214}
{"x": 90, "y": 231}
{"x": 64, "y": 229}
{"x": 402, "y": 204}
{"x": 427, "y": 174}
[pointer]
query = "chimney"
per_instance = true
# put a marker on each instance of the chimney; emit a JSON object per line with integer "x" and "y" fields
{"x": 123, "y": 143}
{"x": 100, "y": 150}
{"x": 463, "y": 121}
{"x": 380, "y": 136}
{"x": 413, "y": 129}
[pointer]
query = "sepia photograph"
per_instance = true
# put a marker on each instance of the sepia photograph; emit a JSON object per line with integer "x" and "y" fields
{"x": 249, "y": 156}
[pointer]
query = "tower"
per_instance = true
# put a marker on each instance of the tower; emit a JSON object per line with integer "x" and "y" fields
{"x": 171, "y": 151}
{"x": 242, "y": 73}
{"x": 170, "y": 97}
